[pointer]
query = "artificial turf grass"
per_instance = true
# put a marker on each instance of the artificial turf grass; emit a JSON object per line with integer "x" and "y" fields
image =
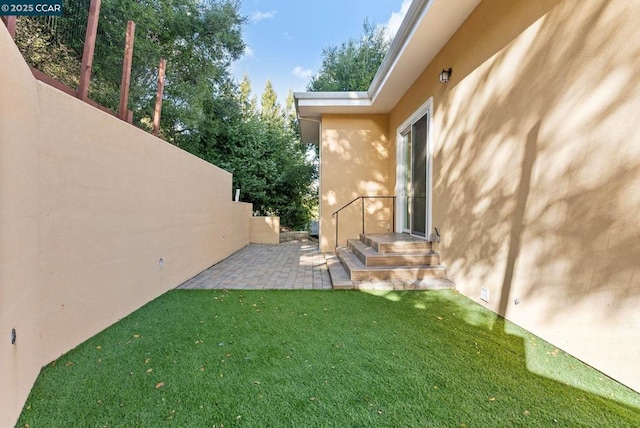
{"x": 318, "y": 358}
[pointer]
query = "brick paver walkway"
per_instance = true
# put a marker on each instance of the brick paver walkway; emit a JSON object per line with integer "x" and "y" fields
{"x": 291, "y": 265}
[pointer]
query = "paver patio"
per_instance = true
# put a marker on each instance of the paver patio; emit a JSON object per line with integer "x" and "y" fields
{"x": 290, "y": 265}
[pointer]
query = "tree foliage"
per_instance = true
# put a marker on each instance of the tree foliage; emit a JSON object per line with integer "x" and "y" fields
{"x": 39, "y": 46}
{"x": 352, "y": 65}
{"x": 199, "y": 40}
{"x": 262, "y": 150}
{"x": 204, "y": 111}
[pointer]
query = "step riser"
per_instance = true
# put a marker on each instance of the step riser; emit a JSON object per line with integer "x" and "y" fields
{"x": 340, "y": 279}
{"x": 408, "y": 247}
{"x": 398, "y": 247}
{"x": 363, "y": 275}
{"x": 369, "y": 258}
{"x": 404, "y": 261}
{"x": 347, "y": 266}
{"x": 408, "y": 275}
{"x": 398, "y": 259}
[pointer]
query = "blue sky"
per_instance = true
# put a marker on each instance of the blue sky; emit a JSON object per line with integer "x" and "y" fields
{"x": 285, "y": 37}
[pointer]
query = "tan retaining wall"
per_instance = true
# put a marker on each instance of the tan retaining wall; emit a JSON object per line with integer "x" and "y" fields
{"x": 96, "y": 219}
{"x": 265, "y": 230}
{"x": 536, "y": 177}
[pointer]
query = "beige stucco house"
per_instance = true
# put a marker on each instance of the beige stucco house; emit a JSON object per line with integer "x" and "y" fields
{"x": 527, "y": 160}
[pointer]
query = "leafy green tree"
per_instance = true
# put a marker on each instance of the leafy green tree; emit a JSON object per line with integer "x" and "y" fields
{"x": 43, "y": 50}
{"x": 269, "y": 108}
{"x": 263, "y": 152}
{"x": 204, "y": 111}
{"x": 352, "y": 65}
{"x": 199, "y": 40}
{"x": 248, "y": 102}
{"x": 278, "y": 178}
{"x": 290, "y": 111}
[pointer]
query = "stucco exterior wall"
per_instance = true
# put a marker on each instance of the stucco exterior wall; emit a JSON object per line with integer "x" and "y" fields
{"x": 265, "y": 230}
{"x": 536, "y": 178}
{"x": 354, "y": 161}
{"x": 20, "y": 303}
{"x": 96, "y": 219}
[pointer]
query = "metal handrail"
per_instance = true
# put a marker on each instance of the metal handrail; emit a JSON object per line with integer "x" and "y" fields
{"x": 336, "y": 214}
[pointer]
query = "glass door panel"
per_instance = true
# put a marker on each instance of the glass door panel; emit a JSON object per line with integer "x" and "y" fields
{"x": 406, "y": 194}
{"x": 418, "y": 164}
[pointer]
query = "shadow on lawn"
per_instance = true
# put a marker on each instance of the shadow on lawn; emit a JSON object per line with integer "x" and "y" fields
{"x": 317, "y": 358}
{"x": 503, "y": 346}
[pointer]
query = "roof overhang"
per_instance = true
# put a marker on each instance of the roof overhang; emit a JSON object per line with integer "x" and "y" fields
{"x": 426, "y": 28}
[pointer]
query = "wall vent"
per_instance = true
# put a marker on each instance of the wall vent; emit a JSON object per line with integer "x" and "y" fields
{"x": 484, "y": 294}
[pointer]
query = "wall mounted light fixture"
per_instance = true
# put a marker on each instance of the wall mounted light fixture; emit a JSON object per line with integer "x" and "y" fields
{"x": 445, "y": 75}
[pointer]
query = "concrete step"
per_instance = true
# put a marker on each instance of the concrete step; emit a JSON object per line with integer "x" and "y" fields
{"x": 395, "y": 243}
{"x": 359, "y": 272}
{"x": 340, "y": 279}
{"x": 370, "y": 257}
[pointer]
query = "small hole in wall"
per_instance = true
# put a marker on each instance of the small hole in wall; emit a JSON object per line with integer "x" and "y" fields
{"x": 161, "y": 262}
{"x": 13, "y": 336}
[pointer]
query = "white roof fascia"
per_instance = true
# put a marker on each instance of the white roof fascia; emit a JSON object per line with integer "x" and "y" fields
{"x": 415, "y": 14}
{"x": 352, "y": 95}
{"x": 329, "y": 99}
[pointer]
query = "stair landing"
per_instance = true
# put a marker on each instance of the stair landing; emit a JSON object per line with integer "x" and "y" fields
{"x": 388, "y": 261}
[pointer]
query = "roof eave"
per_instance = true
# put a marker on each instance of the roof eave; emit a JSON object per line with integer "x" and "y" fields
{"x": 426, "y": 28}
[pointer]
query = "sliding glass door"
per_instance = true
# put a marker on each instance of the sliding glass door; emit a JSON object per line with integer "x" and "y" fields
{"x": 414, "y": 175}
{"x": 419, "y": 163}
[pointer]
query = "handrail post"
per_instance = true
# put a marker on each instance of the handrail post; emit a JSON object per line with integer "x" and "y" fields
{"x": 337, "y": 213}
{"x": 337, "y": 224}
{"x": 393, "y": 215}
{"x": 363, "y": 215}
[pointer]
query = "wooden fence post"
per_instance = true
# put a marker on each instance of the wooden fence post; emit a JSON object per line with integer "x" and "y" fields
{"x": 158, "y": 109}
{"x": 89, "y": 45}
{"x": 123, "y": 112}
{"x": 10, "y": 22}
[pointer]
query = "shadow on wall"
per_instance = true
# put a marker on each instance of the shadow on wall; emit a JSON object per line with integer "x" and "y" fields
{"x": 357, "y": 154}
{"x": 538, "y": 160}
{"x": 366, "y": 215}
{"x": 517, "y": 223}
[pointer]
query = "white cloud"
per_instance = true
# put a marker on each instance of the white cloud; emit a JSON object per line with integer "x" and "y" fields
{"x": 301, "y": 73}
{"x": 259, "y": 16}
{"x": 395, "y": 20}
{"x": 287, "y": 35}
{"x": 248, "y": 52}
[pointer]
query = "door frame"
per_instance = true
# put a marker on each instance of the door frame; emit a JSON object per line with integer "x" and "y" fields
{"x": 401, "y": 167}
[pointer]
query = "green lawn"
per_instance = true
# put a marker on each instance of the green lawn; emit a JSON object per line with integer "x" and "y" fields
{"x": 321, "y": 358}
